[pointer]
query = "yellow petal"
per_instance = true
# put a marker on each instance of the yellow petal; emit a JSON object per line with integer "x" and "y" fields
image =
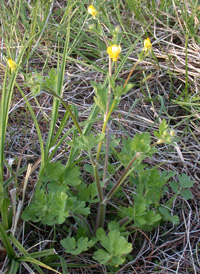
{"x": 92, "y": 11}
{"x": 12, "y": 65}
{"x": 147, "y": 44}
{"x": 114, "y": 52}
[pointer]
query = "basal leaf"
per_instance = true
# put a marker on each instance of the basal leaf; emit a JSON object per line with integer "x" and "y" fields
{"x": 167, "y": 216}
{"x": 71, "y": 176}
{"x": 175, "y": 186}
{"x": 52, "y": 172}
{"x": 185, "y": 181}
{"x": 115, "y": 245}
{"x": 76, "y": 247}
{"x": 186, "y": 194}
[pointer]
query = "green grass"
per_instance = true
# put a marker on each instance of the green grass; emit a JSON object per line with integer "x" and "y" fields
{"x": 61, "y": 35}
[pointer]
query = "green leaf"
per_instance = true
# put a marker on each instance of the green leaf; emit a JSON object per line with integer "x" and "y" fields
{"x": 102, "y": 256}
{"x": 48, "y": 208}
{"x": 165, "y": 135}
{"x": 5, "y": 213}
{"x": 119, "y": 90}
{"x": 89, "y": 168}
{"x": 34, "y": 82}
{"x": 88, "y": 193}
{"x": 53, "y": 207}
{"x": 113, "y": 226}
{"x": 152, "y": 218}
{"x": 186, "y": 194}
{"x": 75, "y": 206}
{"x": 185, "y": 181}
{"x": 86, "y": 142}
{"x": 6, "y": 243}
{"x": 141, "y": 143}
{"x": 115, "y": 245}
{"x": 76, "y": 247}
{"x": 71, "y": 176}
{"x": 101, "y": 92}
{"x": 52, "y": 172}
{"x": 166, "y": 215}
{"x": 175, "y": 186}
{"x": 51, "y": 82}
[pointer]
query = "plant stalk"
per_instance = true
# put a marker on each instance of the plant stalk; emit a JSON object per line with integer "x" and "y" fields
{"x": 131, "y": 72}
{"x": 120, "y": 181}
{"x": 51, "y": 92}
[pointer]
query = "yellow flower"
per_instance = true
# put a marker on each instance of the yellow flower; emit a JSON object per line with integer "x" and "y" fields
{"x": 147, "y": 45}
{"x": 12, "y": 65}
{"x": 114, "y": 52}
{"x": 92, "y": 11}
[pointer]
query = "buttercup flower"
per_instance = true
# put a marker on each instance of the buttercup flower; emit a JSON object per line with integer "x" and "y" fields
{"x": 92, "y": 11}
{"x": 114, "y": 52}
{"x": 12, "y": 65}
{"x": 147, "y": 45}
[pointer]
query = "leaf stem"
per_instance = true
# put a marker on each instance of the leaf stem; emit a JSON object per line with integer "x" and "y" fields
{"x": 52, "y": 92}
{"x": 131, "y": 72}
{"x": 104, "y": 128}
{"x": 120, "y": 181}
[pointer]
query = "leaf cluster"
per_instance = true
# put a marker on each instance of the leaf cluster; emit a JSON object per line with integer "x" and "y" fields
{"x": 54, "y": 203}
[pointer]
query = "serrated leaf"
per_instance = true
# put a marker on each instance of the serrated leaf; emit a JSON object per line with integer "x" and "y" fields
{"x": 89, "y": 168}
{"x": 152, "y": 218}
{"x": 167, "y": 216}
{"x": 119, "y": 90}
{"x": 88, "y": 193}
{"x": 52, "y": 172}
{"x": 163, "y": 127}
{"x": 185, "y": 181}
{"x": 139, "y": 209}
{"x": 34, "y": 82}
{"x": 101, "y": 92}
{"x": 175, "y": 186}
{"x": 49, "y": 208}
{"x": 111, "y": 82}
{"x": 186, "y": 194}
{"x": 75, "y": 206}
{"x": 102, "y": 256}
{"x": 115, "y": 245}
{"x": 113, "y": 226}
{"x": 141, "y": 142}
{"x": 71, "y": 176}
{"x": 53, "y": 207}
{"x": 76, "y": 247}
{"x": 86, "y": 142}
{"x": 51, "y": 81}
{"x": 139, "y": 222}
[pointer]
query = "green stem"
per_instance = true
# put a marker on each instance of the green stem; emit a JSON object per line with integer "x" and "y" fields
{"x": 51, "y": 92}
{"x": 97, "y": 179}
{"x": 120, "y": 181}
{"x": 100, "y": 216}
{"x": 104, "y": 128}
{"x": 102, "y": 208}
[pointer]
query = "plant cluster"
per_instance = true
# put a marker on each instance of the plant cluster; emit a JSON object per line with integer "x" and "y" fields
{"x": 63, "y": 196}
